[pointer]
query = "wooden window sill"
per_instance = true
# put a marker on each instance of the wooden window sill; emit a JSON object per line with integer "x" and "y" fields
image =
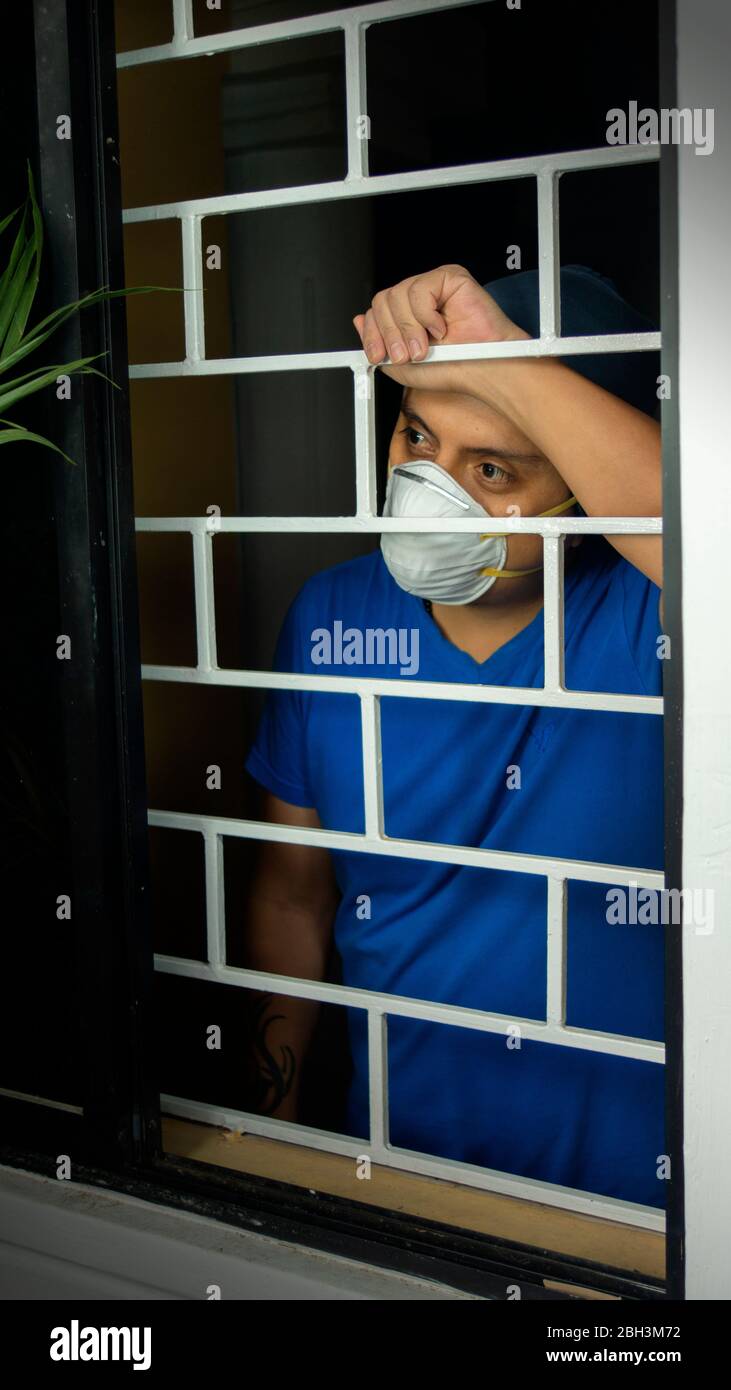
{"x": 626, "y": 1248}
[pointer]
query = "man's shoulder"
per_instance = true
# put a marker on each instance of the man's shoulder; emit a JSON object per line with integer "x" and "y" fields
{"x": 359, "y": 582}
{"x": 613, "y": 619}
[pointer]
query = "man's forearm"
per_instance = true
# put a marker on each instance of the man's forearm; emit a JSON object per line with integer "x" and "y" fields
{"x": 607, "y": 452}
{"x": 281, "y": 1031}
{"x": 281, "y": 1026}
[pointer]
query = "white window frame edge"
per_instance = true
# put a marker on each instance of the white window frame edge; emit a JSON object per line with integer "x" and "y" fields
{"x": 704, "y": 313}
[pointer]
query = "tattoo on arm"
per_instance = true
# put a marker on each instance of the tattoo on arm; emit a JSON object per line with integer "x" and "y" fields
{"x": 273, "y": 1077}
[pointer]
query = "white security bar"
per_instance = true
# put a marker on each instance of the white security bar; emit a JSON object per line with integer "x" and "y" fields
{"x": 183, "y": 27}
{"x": 205, "y": 599}
{"x": 364, "y": 417}
{"x": 355, "y": 358}
{"x": 185, "y": 45}
{"x": 412, "y": 181}
{"x": 370, "y": 721}
{"x": 378, "y": 1080}
{"x": 430, "y": 850}
{"x": 195, "y": 333}
{"x": 215, "y": 913}
{"x": 504, "y": 525}
{"x": 447, "y": 1169}
{"x": 403, "y": 1007}
{"x": 557, "y": 952}
{"x": 405, "y": 688}
{"x": 553, "y": 643}
{"x": 549, "y": 261}
{"x": 356, "y": 102}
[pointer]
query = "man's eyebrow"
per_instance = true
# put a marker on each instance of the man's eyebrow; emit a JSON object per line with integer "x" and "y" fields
{"x": 509, "y": 455}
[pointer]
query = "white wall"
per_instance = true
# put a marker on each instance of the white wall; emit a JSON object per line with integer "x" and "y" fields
{"x": 704, "y": 60}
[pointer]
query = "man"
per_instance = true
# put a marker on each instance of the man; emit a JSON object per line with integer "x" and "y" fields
{"x": 518, "y": 436}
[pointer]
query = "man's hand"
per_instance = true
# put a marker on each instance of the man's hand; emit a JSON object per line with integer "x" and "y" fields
{"x": 443, "y": 306}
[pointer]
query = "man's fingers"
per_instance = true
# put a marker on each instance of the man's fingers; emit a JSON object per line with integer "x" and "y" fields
{"x": 401, "y": 319}
{"x": 413, "y": 334}
{"x": 369, "y": 336}
{"x": 404, "y": 336}
{"x": 373, "y": 343}
{"x": 387, "y": 327}
{"x": 423, "y": 303}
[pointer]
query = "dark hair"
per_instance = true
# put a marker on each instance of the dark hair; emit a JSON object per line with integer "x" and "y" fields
{"x": 590, "y": 305}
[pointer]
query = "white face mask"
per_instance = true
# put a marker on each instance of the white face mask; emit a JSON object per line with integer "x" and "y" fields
{"x": 446, "y": 568}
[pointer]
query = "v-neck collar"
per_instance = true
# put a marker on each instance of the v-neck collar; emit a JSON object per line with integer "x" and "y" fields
{"x": 491, "y": 670}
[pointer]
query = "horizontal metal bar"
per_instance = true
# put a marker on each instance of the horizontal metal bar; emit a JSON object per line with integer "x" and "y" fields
{"x": 482, "y": 1021}
{"x": 206, "y": 45}
{"x": 405, "y": 688}
{"x": 426, "y": 850}
{"x": 355, "y": 358}
{"x": 413, "y": 181}
{"x": 503, "y": 525}
{"x": 448, "y": 1169}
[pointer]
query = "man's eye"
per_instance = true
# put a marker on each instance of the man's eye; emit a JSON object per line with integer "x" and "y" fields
{"x": 496, "y": 475}
{"x": 413, "y": 435}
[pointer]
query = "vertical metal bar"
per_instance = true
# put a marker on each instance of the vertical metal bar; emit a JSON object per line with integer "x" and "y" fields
{"x": 356, "y": 98}
{"x": 556, "y": 950}
{"x": 182, "y": 21}
{"x": 205, "y": 600}
{"x": 215, "y": 898}
{"x": 378, "y": 1078}
{"x": 549, "y": 281}
{"x": 364, "y": 415}
{"x": 553, "y": 626}
{"x": 195, "y": 332}
{"x": 370, "y": 717}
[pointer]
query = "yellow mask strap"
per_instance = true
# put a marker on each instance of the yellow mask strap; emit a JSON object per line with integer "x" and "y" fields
{"x": 517, "y": 574}
{"x": 509, "y": 574}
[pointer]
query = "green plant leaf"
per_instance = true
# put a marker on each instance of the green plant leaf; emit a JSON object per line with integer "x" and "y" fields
{"x": 15, "y": 297}
{"x": 36, "y": 337}
{"x": 7, "y": 220}
{"x": 20, "y": 291}
{"x": 15, "y": 252}
{"x": 18, "y": 287}
{"x": 14, "y": 436}
{"x": 35, "y": 381}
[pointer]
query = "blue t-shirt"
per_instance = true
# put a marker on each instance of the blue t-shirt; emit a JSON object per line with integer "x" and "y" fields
{"x": 573, "y": 784}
